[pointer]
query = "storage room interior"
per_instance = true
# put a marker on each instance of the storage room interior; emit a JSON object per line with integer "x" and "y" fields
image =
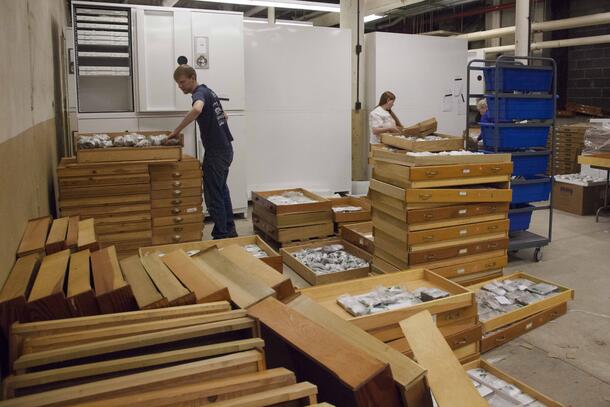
{"x": 394, "y": 203}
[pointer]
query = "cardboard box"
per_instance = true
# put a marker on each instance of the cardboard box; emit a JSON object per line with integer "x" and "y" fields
{"x": 578, "y": 199}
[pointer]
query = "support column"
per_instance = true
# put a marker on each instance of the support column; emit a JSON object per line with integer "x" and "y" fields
{"x": 271, "y": 15}
{"x": 352, "y": 17}
{"x": 522, "y": 28}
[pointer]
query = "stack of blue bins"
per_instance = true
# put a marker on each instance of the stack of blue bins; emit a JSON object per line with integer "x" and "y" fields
{"x": 522, "y": 93}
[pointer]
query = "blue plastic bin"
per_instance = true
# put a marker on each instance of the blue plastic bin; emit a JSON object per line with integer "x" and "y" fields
{"x": 519, "y": 79}
{"x": 520, "y": 108}
{"x": 511, "y": 138}
{"x": 530, "y": 164}
{"x": 520, "y": 219}
{"x": 532, "y": 189}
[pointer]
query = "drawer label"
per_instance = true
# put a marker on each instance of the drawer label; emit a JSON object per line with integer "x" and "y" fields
{"x": 461, "y": 271}
{"x": 529, "y": 326}
{"x": 466, "y": 171}
{"x": 463, "y": 193}
{"x": 191, "y": 210}
{"x": 463, "y": 232}
{"x": 463, "y": 211}
{"x": 463, "y": 251}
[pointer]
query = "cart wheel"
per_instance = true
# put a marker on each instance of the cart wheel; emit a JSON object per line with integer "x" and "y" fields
{"x": 537, "y": 254}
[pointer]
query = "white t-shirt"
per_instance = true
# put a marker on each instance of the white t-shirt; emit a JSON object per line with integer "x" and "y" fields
{"x": 379, "y": 117}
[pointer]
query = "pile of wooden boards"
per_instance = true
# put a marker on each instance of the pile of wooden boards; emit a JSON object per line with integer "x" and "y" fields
{"x": 447, "y": 213}
{"x": 348, "y": 218}
{"x": 569, "y": 142}
{"x": 285, "y": 224}
{"x": 134, "y": 204}
{"x": 184, "y": 356}
{"x": 456, "y": 315}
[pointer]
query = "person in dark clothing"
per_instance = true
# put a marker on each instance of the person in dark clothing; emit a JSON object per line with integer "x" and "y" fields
{"x": 216, "y": 139}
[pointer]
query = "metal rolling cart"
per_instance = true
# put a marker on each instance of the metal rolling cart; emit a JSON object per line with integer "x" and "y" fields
{"x": 522, "y": 104}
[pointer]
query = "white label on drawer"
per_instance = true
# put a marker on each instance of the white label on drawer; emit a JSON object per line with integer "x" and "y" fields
{"x": 463, "y": 193}
{"x": 463, "y": 211}
{"x": 191, "y": 210}
{"x": 463, "y": 232}
{"x": 529, "y": 326}
{"x": 361, "y": 241}
{"x": 466, "y": 171}
{"x": 460, "y": 271}
{"x": 193, "y": 252}
{"x": 463, "y": 251}
{"x": 434, "y": 318}
{"x": 161, "y": 254}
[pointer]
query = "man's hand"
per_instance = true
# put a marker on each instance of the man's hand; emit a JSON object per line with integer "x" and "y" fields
{"x": 173, "y": 134}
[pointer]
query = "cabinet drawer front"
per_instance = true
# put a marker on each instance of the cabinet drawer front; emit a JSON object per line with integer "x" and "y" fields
{"x": 173, "y": 202}
{"x": 104, "y": 201}
{"x": 459, "y": 171}
{"x": 168, "y": 168}
{"x": 104, "y": 180}
{"x": 175, "y": 193}
{"x": 479, "y": 266}
{"x": 175, "y": 234}
{"x": 122, "y": 227}
{"x": 450, "y": 233}
{"x": 176, "y": 211}
{"x": 459, "y": 195}
{"x": 455, "y": 211}
{"x": 85, "y": 192}
{"x": 176, "y": 184}
{"x": 174, "y": 175}
{"x": 457, "y": 251}
{"x": 178, "y": 220}
{"x": 94, "y": 170}
{"x": 291, "y": 219}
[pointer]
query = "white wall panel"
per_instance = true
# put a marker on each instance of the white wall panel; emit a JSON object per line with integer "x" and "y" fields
{"x": 298, "y": 95}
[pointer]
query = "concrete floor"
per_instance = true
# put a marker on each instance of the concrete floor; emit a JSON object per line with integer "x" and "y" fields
{"x": 567, "y": 359}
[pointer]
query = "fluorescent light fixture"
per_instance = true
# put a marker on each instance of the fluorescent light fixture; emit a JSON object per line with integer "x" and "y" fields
{"x": 278, "y": 22}
{"x": 290, "y": 4}
{"x": 372, "y": 17}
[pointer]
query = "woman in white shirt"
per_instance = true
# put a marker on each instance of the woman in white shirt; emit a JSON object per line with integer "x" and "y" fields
{"x": 382, "y": 119}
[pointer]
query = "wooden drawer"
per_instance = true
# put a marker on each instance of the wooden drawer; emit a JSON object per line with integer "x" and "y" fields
{"x": 358, "y": 216}
{"x": 122, "y": 227}
{"x": 187, "y": 164}
{"x": 111, "y": 238}
{"x": 460, "y": 250}
{"x": 360, "y": 235}
{"x": 104, "y": 201}
{"x": 176, "y": 193}
{"x": 189, "y": 201}
{"x": 113, "y": 219}
{"x": 442, "y": 176}
{"x": 177, "y": 220}
{"x": 104, "y": 180}
{"x": 104, "y": 211}
{"x": 457, "y": 336}
{"x": 175, "y": 175}
{"x": 402, "y": 157}
{"x": 457, "y": 232}
{"x": 454, "y": 212}
{"x": 477, "y": 278}
{"x": 176, "y": 234}
{"x": 176, "y": 211}
{"x": 176, "y": 184}
{"x": 291, "y": 219}
{"x": 319, "y": 205}
{"x": 298, "y": 233}
{"x": 459, "y": 195}
{"x": 109, "y": 190}
{"x": 501, "y": 336}
{"x": 471, "y": 267}
{"x": 68, "y": 167}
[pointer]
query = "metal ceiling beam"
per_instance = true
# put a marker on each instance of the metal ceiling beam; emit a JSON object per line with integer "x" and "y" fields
{"x": 254, "y": 10}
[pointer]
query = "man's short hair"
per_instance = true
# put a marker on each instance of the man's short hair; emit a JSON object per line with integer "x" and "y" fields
{"x": 185, "y": 70}
{"x": 482, "y": 103}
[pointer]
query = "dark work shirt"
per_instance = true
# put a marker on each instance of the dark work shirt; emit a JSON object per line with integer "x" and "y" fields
{"x": 215, "y": 133}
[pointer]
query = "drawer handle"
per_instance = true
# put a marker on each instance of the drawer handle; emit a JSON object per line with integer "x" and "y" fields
{"x": 176, "y": 238}
{"x": 428, "y": 216}
{"x": 177, "y": 192}
{"x": 429, "y": 237}
{"x": 175, "y": 211}
{"x": 425, "y": 197}
{"x": 178, "y": 219}
{"x": 177, "y": 184}
{"x": 461, "y": 342}
{"x": 495, "y": 169}
{"x": 176, "y": 174}
{"x": 501, "y": 339}
{"x": 493, "y": 245}
{"x": 431, "y": 173}
{"x": 555, "y": 314}
{"x": 176, "y": 201}
{"x": 430, "y": 257}
{"x": 493, "y": 227}
{"x": 178, "y": 229}
{"x": 492, "y": 264}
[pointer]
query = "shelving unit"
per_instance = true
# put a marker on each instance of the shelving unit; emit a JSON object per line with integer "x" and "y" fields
{"x": 104, "y": 59}
{"x": 515, "y": 93}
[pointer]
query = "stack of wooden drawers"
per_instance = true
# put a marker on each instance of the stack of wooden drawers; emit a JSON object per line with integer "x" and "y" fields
{"x": 285, "y": 224}
{"x": 569, "y": 142}
{"x": 445, "y": 213}
{"x": 176, "y": 199}
{"x": 134, "y": 204}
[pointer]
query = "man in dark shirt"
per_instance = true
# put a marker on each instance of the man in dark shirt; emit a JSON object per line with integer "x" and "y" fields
{"x": 216, "y": 139}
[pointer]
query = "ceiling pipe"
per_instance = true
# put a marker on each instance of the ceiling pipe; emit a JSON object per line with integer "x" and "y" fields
{"x": 574, "y": 22}
{"x": 571, "y": 42}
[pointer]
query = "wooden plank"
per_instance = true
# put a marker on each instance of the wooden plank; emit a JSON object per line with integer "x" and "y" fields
{"x": 34, "y": 236}
{"x": 342, "y": 371}
{"x": 206, "y": 289}
{"x": 144, "y": 291}
{"x": 404, "y": 371}
{"x": 304, "y": 390}
{"x": 260, "y": 270}
{"x": 203, "y": 393}
{"x": 80, "y": 293}
{"x": 37, "y": 359}
{"x": 86, "y": 235}
{"x": 56, "y": 239}
{"x": 63, "y": 376}
{"x": 447, "y": 380}
{"x": 245, "y": 290}
{"x": 113, "y": 294}
{"x": 62, "y": 340}
{"x": 72, "y": 233}
{"x": 166, "y": 282}
{"x": 47, "y": 300}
